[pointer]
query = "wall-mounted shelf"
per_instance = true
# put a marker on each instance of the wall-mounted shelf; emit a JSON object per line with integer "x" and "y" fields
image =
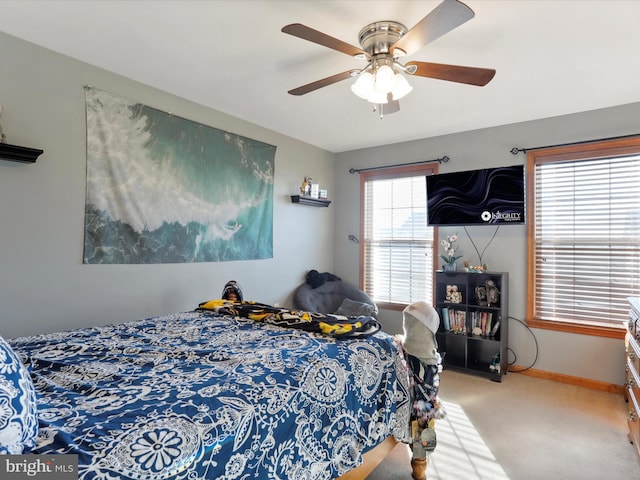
{"x": 316, "y": 202}
{"x": 16, "y": 153}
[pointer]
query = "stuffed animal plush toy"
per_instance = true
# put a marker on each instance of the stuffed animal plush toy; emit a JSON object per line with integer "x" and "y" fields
{"x": 232, "y": 292}
{"x": 420, "y": 322}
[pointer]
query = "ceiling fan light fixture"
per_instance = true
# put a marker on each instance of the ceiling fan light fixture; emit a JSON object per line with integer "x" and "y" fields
{"x": 363, "y": 86}
{"x": 401, "y": 87}
{"x": 377, "y": 97}
{"x": 385, "y": 79}
{"x": 375, "y": 88}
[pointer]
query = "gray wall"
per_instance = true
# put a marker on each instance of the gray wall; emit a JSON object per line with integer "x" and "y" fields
{"x": 44, "y": 286}
{"x": 600, "y": 359}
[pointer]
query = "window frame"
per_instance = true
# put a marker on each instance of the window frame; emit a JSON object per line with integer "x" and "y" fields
{"x": 596, "y": 149}
{"x": 391, "y": 173}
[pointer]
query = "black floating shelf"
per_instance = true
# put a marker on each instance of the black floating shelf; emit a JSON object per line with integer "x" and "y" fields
{"x": 316, "y": 202}
{"x": 15, "y": 153}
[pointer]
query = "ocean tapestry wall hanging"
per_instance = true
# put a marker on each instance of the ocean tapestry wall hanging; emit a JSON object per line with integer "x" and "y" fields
{"x": 163, "y": 189}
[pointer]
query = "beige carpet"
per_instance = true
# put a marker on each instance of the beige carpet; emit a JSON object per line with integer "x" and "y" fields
{"x": 523, "y": 429}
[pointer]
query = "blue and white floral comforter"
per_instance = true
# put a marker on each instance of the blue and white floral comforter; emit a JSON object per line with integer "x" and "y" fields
{"x": 196, "y": 395}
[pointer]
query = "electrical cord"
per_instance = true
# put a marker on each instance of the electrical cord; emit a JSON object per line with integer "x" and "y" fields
{"x": 486, "y": 246}
{"x": 535, "y": 341}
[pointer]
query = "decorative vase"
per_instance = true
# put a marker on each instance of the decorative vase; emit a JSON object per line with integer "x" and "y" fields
{"x": 449, "y": 267}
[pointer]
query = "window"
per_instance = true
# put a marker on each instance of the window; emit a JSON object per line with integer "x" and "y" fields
{"x": 397, "y": 245}
{"x": 584, "y": 236}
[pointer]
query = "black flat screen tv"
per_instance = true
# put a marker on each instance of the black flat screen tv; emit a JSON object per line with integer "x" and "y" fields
{"x": 491, "y": 196}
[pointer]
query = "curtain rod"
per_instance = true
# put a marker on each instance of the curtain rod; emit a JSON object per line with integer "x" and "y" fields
{"x": 516, "y": 150}
{"x": 444, "y": 159}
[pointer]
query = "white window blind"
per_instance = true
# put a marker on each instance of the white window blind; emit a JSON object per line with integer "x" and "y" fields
{"x": 587, "y": 239}
{"x": 397, "y": 243}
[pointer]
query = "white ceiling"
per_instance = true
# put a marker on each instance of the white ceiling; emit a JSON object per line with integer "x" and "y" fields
{"x": 552, "y": 58}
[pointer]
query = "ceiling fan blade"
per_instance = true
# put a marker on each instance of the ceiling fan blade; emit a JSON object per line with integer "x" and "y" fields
{"x": 307, "y": 33}
{"x": 454, "y": 73}
{"x": 310, "y": 87}
{"x": 442, "y": 19}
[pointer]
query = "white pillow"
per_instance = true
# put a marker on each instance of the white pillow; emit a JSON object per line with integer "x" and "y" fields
{"x": 18, "y": 414}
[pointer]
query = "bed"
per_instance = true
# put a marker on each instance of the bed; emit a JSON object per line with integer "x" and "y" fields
{"x": 203, "y": 394}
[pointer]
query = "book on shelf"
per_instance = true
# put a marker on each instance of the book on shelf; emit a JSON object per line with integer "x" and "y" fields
{"x": 495, "y": 329}
{"x": 458, "y": 320}
{"x": 444, "y": 314}
{"x": 481, "y": 323}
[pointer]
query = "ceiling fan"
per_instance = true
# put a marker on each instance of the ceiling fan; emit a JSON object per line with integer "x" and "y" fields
{"x": 382, "y": 44}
